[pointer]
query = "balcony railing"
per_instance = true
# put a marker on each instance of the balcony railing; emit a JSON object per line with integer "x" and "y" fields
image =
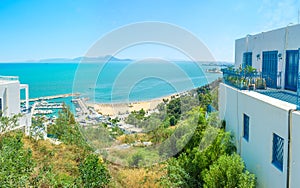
{"x": 9, "y": 78}
{"x": 273, "y": 80}
{"x": 243, "y": 80}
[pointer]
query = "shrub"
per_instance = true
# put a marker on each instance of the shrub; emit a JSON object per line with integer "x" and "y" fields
{"x": 93, "y": 173}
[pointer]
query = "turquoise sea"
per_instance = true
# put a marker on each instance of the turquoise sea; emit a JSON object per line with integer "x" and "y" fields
{"x": 110, "y": 82}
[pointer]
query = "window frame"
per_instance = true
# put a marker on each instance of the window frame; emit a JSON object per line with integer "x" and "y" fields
{"x": 246, "y": 127}
{"x": 278, "y": 163}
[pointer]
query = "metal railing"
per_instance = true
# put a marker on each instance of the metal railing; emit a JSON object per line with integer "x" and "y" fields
{"x": 243, "y": 80}
{"x": 273, "y": 80}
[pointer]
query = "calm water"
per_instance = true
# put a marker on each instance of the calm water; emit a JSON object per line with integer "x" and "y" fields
{"x": 110, "y": 82}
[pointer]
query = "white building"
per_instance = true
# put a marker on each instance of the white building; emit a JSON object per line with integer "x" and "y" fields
{"x": 265, "y": 123}
{"x": 10, "y": 102}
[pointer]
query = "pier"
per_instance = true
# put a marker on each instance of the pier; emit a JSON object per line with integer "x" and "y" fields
{"x": 81, "y": 105}
{"x": 53, "y": 97}
{"x": 46, "y": 105}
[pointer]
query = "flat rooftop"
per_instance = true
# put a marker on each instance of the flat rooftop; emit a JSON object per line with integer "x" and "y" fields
{"x": 8, "y": 79}
{"x": 284, "y": 95}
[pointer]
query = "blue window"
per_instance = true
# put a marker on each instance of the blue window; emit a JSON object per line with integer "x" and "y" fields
{"x": 247, "y": 59}
{"x": 270, "y": 68}
{"x": 277, "y": 158}
{"x": 246, "y": 127}
{"x": 291, "y": 69}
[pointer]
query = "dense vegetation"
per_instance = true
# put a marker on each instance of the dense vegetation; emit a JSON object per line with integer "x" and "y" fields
{"x": 208, "y": 160}
{"x": 191, "y": 146}
{"x": 203, "y": 153}
{"x": 16, "y": 161}
{"x": 26, "y": 162}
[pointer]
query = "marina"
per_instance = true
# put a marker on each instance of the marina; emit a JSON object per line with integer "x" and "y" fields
{"x": 42, "y": 112}
{"x": 49, "y": 105}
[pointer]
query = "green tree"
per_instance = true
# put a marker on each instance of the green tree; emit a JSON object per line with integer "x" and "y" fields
{"x": 93, "y": 173}
{"x": 173, "y": 121}
{"x": 228, "y": 171}
{"x": 67, "y": 130}
{"x": 249, "y": 70}
{"x": 141, "y": 113}
{"x": 114, "y": 121}
{"x": 174, "y": 108}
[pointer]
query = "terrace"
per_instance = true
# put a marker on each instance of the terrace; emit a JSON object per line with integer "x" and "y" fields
{"x": 250, "y": 79}
{"x": 244, "y": 79}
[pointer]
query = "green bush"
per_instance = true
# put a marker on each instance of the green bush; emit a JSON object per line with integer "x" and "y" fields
{"x": 135, "y": 159}
{"x": 93, "y": 173}
{"x": 228, "y": 171}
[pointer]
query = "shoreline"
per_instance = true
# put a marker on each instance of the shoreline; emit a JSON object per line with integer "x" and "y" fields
{"x": 124, "y": 108}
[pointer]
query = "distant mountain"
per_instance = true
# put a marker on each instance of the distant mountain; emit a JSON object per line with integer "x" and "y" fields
{"x": 217, "y": 63}
{"x": 83, "y": 59}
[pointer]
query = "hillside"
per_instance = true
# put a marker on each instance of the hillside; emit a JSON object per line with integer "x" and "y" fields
{"x": 191, "y": 149}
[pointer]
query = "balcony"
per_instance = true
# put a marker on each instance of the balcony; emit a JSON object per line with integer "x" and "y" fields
{"x": 264, "y": 83}
{"x": 244, "y": 79}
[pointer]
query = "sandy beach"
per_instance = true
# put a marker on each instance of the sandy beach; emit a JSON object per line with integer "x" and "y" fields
{"x": 125, "y": 108}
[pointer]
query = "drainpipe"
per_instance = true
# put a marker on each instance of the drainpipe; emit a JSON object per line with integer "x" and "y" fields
{"x": 239, "y": 138}
{"x": 289, "y": 147}
{"x": 247, "y": 42}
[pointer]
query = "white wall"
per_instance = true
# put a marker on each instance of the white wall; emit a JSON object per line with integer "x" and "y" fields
{"x": 295, "y": 150}
{"x": 10, "y": 94}
{"x": 228, "y": 108}
{"x": 267, "y": 116}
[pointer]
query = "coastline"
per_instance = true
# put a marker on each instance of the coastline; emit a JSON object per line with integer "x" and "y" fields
{"x": 124, "y": 108}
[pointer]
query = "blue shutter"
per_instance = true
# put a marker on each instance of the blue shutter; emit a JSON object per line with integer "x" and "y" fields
{"x": 291, "y": 69}
{"x": 270, "y": 68}
{"x": 247, "y": 59}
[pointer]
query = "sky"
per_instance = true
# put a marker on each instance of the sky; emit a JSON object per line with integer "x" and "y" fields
{"x": 40, "y": 29}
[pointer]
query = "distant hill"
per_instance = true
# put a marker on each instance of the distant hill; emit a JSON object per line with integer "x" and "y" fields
{"x": 83, "y": 59}
{"x": 217, "y": 63}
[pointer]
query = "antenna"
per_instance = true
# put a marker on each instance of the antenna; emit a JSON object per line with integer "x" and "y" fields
{"x": 298, "y": 15}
